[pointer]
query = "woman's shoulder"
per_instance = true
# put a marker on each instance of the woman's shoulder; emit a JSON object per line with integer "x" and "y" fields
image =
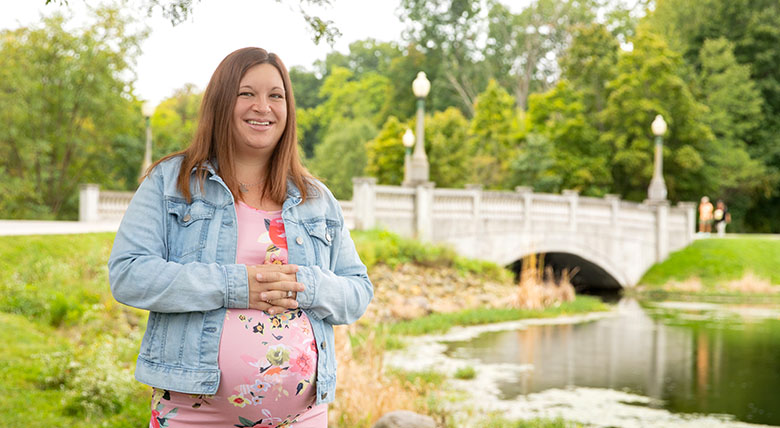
{"x": 320, "y": 198}
{"x": 169, "y": 165}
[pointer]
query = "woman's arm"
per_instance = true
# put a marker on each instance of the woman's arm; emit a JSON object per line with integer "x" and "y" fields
{"x": 140, "y": 275}
{"x": 340, "y": 296}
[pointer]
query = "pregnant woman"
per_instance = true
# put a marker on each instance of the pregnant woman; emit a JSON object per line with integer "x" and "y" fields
{"x": 243, "y": 261}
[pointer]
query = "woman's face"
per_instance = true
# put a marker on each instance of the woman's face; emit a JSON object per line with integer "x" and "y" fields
{"x": 260, "y": 115}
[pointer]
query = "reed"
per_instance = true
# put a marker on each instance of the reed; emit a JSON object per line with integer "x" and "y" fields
{"x": 366, "y": 391}
{"x": 538, "y": 288}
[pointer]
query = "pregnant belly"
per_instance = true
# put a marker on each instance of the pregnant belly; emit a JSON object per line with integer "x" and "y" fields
{"x": 268, "y": 369}
{"x": 268, "y": 364}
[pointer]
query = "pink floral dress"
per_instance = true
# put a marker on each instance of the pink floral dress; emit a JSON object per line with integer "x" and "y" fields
{"x": 268, "y": 362}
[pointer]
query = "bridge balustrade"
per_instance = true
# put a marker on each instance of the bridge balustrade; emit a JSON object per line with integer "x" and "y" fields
{"x": 623, "y": 238}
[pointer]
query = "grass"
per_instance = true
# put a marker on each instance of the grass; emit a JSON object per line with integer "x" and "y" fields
{"x": 69, "y": 349}
{"x": 498, "y": 421}
{"x": 466, "y": 373}
{"x": 441, "y": 322}
{"x": 64, "y": 337}
{"x": 714, "y": 260}
{"x": 392, "y": 249}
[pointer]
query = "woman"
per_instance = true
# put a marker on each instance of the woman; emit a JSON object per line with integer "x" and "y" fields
{"x": 244, "y": 262}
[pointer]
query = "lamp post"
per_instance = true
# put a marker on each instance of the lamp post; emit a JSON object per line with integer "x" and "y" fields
{"x": 408, "y": 140}
{"x": 657, "y": 189}
{"x": 418, "y": 171}
{"x": 147, "y": 109}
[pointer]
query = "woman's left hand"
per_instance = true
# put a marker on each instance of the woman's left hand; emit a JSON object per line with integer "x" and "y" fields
{"x": 275, "y": 285}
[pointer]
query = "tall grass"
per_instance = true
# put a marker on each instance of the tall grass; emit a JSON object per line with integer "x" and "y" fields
{"x": 538, "y": 289}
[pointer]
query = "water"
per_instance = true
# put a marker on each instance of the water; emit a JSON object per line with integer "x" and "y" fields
{"x": 688, "y": 361}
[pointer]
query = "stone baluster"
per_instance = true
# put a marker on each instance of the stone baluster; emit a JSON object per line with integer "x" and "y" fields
{"x": 690, "y": 219}
{"x": 364, "y": 202}
{"x": 423, "y": 211}
{"x": 573, "y": 196}
{"x": 89, "y": 198}
{"x": 528, "y": 193}
{"x": 476, "y": 207}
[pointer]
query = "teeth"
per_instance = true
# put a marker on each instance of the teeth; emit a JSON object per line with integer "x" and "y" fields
{"x": 254, "y": 122}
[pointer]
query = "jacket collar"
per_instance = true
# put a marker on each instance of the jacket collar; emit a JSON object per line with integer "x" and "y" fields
{"x": 211, "y": 166}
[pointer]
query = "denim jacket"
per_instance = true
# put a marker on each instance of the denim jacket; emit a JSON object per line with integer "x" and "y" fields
{"x": 178, "y": 261}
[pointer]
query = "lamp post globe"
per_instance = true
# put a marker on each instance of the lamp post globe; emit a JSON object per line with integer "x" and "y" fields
{"x": 657, "y": 190}
{"x": 421, "y": 86}
{"x": 658, "y": 126}
{"x": 418, "y": 166}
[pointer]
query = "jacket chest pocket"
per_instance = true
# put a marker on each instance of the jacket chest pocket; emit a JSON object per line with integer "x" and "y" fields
{"x": 323, "y": 234}
{"x": 188, "y": 226}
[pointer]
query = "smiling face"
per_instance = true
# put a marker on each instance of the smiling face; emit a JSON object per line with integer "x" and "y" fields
{"x": 260, "y": 114}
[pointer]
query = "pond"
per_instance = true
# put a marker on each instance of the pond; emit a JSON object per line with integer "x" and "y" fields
{"x": 662, "y": 364}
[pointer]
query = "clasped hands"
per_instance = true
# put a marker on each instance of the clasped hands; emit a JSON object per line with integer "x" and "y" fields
{"x": 273, "y": 288}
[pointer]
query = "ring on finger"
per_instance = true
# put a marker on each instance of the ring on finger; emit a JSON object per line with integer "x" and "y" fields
{"x": 289, "y": 294}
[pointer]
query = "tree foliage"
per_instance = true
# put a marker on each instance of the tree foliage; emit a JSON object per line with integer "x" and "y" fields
{"x": 494, "y": 136}
{"x": 175, "y": 120}
{"x": 68, "y": 112}
{"x": 177, "y": 11}
{"x": 342, "y": 155}
{"x": 648, "y": 83}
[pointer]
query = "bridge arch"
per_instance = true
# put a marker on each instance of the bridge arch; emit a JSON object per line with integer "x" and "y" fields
{"x": 592, "y": 265}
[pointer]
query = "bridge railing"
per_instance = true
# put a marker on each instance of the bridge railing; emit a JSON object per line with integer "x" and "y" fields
{"x": 97, "y": 205}
{"x": 443, "y": 215}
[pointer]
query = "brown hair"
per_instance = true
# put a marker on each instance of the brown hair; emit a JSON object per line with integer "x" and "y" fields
{"x": 215, "y": 139}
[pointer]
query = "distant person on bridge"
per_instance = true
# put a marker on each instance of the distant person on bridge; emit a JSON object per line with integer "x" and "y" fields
{"x": 244, "y": 262}
{"x": 705, "y": 215}
{"x": 722, "y": 216}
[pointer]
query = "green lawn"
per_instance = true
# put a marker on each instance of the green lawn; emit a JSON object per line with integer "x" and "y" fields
{"x": 718, "y": 260}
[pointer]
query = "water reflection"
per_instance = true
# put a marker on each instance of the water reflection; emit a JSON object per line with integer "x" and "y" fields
{"x": 694, "y": 360}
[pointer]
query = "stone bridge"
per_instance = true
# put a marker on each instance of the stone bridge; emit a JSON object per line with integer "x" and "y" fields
{"x": 611, "y": 241}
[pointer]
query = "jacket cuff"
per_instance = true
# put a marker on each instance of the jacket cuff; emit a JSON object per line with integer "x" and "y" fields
{"x": 308, "y": 278}
{"x": 237, "y": 286}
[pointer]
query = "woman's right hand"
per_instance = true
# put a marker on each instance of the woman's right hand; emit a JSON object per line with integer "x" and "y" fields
{"x": 269, "y": 286}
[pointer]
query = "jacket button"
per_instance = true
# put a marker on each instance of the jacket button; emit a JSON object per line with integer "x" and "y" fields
{"x": 327, "y": 236}
{"x": 323, "y": 345}
{"x": 299, "y": 240}
{"x": 324, "y": 395}
{"x": 186, "y": 218}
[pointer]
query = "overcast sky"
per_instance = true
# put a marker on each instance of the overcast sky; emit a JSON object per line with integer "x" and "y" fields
{"x": 189, "y": 52}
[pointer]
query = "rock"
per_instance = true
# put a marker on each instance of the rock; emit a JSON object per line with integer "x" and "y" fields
{"x": 404, "y": 419}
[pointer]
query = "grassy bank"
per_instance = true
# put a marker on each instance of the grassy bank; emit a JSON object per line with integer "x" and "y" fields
{"x": 708, "y": 265}
{"x": 69, "y": 349}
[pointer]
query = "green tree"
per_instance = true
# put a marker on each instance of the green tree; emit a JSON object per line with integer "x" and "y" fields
{"x": 753, "y": 26}
{"x": 342, "y": 155}
{"x": 522, "y": 48}
{"x": 447, "y": 31}
{"x": 177, "y": 12}
{"x": 494, "y": 136}
{"x": 306, "y": 87}
{"x": 175, "y": 120}
{"x": 649, "y": 83}
{"x": 447, "y": 147}
{"x": 385, "y": 153}
{"x": 345, "y": 98}
{"x": 579, "y": 159}
{"x": 67, "y": 110}
{"x": 589, "y": 63}
{"x": 735, "y": 106}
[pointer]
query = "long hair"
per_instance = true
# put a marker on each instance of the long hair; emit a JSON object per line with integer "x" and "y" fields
{"x": 215, "y": 136}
